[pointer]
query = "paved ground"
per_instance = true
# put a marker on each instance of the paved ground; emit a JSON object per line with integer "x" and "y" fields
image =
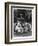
{"x": 23, "y": 34}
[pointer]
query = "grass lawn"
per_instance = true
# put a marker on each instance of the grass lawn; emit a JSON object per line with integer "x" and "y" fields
{"x": 23, "y": 34}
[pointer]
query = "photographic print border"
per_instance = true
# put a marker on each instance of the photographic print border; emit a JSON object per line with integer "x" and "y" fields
{"x": 7, "y": 22}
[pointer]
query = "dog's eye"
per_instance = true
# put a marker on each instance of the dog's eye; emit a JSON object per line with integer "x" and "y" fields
{"x": 18, "y": 16}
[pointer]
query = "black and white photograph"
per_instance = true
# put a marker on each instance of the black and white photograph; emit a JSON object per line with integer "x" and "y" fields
{"x": 21, "y": 22}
